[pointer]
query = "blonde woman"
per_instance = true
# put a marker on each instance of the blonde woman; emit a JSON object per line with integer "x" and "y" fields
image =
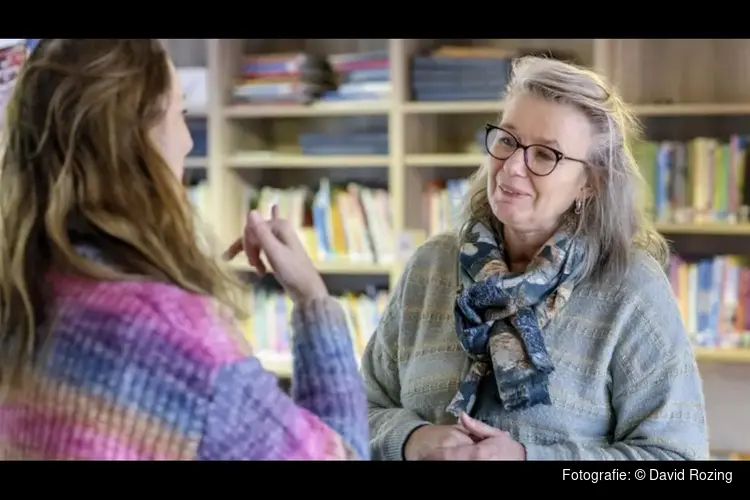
{"x": 556, "y": 335}
{"x": 117, "y": 336}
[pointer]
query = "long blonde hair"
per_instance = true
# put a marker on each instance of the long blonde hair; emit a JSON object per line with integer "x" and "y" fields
{"x": 78, "y": 156}
{"x": 613, "y": 222}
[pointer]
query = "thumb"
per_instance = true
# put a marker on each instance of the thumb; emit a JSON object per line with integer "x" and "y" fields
{"x": 477, "y": 428}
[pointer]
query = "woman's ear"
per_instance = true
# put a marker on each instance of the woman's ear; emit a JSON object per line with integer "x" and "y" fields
{"x": 592, "y": 182}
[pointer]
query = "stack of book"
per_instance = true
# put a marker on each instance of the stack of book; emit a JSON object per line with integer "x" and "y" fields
{"x": 361, "y": 76}
{"x": 358, "y": 143}
{"x": 283, "y": 78}
{"x": 460, "y": 74}
{"x": 352, "y": 136}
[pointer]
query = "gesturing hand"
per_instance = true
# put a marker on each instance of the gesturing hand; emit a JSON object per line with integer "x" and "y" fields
{"x": 491, "y": 444}
{"x": 278, "y": 241}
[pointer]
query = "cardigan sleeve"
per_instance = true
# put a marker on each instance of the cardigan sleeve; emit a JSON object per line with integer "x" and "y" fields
{"x": 657, "y": 394}
{"x": 251, "y": 418}
{"x": 390, "y": 423}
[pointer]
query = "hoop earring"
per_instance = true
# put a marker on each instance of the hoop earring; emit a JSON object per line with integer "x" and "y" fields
{"x": 579, "y": 207}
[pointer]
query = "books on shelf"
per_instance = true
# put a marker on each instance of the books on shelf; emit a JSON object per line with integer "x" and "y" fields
{"x": 360, "y": 76}
{"x": 460, "y": 74}
{"x": 269, "y": 332}
{"x": 349, "y": 223}
{"x": 353, "y": 137}
{"x": 443, "y": 200}
{"x": 698, "y": 181}
{"x": 302, "y": 78}
{"x": 713, "y": 295}
{"x": 282, "y": 78}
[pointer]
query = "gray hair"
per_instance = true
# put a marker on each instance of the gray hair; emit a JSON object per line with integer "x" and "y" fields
{"x": 614, "y": 221}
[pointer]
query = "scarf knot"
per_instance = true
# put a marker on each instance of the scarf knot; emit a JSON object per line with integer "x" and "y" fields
{"x": 500, "y": 315}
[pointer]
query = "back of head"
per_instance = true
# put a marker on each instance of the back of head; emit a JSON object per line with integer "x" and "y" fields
{"x": 613, "y": 222}
{"x": 81, "y": 166}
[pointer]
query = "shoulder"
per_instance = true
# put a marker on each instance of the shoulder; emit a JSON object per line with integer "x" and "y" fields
{"x": 646, "y": 287}
{"x": 178, "y": 322}
{"x": 646, "y": 317}
{"x": 428, "y": 283}
{"x": 436, "y": 258}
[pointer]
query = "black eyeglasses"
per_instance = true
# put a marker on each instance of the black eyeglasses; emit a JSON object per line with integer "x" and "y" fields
{"x": 541, "y": 160}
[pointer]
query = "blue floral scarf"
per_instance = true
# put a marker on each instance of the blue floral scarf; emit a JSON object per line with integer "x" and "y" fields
{"x": 500, "y": 315}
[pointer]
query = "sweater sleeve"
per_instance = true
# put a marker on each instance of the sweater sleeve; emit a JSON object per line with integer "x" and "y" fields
{"x": 657, "y": 395}
{"x": 251, "y": 418}
{"x": 390, "y": 423}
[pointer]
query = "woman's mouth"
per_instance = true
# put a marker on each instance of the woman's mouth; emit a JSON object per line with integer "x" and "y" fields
{"x": 508, "y": 191}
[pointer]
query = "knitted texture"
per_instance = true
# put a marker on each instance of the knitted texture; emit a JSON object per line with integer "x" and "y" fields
{"x": 625, "y": 385}
{"x": 145, "y": 371}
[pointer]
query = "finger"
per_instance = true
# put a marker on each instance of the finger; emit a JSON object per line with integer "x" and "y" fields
{"x": 477, "y": 428}
{"x": 234, "y": 249}
{"x": 274, "y": 212}
{"x": 253, "y": 248}
{"x": 286, "y": 233}
{"x": 262, "y": 233}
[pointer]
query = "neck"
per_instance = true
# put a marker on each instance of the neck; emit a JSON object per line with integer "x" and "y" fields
{"x": 522, "y": 246}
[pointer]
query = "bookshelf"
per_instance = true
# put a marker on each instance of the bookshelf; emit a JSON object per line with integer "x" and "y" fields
{"x": 680, "y": 89}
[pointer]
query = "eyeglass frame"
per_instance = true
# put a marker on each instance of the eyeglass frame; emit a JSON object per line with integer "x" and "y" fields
{"x": 559, "y": 155}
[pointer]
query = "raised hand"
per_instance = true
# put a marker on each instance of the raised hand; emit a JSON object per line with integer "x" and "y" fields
{"x": 291, "y": 265}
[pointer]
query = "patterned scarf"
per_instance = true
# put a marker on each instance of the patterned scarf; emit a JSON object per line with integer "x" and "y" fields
{"x": 500, "y": 315}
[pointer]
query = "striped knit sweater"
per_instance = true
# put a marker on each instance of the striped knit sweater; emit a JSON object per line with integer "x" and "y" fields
{"x": 146, "y": 371}
{"x": 625, "y": 386}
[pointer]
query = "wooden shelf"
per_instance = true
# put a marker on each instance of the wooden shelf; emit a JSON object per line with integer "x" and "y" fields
{"x": 334, "y": 268}
{"x": 322, "y": 109}
{"x": 692, "y": 109}
{"x": 727, "y": 356}
{"x": 271, "y": 160}
{"x": 444, "y": 160}
{"x": 715, "y": 229}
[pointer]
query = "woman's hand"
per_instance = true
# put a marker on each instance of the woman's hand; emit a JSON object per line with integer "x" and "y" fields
{"x": 491, "y": 444}
{"x": 291, "y": 265}
{"x": 430, "y": 439}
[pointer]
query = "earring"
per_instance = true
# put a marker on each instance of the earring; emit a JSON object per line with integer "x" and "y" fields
{"x": 579, "y": 206}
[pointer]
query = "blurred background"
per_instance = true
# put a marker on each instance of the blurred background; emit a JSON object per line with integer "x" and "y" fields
{"x": 365, "y": 145}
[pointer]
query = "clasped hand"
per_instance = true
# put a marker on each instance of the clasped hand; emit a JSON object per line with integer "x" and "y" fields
{"x": 470, "y": 439}
{"x": 278, "y": 241}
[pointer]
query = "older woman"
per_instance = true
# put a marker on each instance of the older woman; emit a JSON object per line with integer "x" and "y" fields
{"x": 556, "y": 336}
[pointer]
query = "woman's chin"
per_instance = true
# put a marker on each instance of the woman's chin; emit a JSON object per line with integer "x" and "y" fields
{"x": 508, "y": 214}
